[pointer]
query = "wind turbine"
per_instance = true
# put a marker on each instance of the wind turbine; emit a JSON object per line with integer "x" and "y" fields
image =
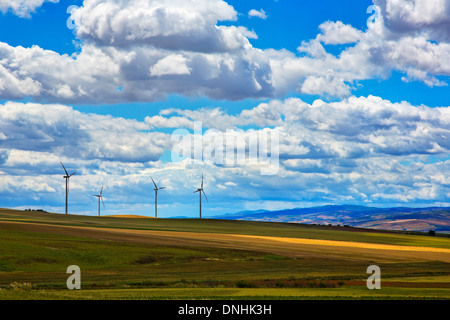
{"x": 200, "y": 190}
{"x": 99, "y": 196}
{"x": 67, "y": 177}
{"x": 156, "y": 197}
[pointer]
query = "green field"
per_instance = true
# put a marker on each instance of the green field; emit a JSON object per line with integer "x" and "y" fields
{"x": 124, "y": 258}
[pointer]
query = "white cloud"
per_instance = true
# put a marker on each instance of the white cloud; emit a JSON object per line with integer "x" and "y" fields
{"x": 170, "y": 65}
{"x": 168, "y": 24}
{"x": 412, "y": 16}
{"x": 44, "y": 74}
{"x": 22, "y": 8}
{"x": 372, "y": 54}
{"x": 356, "y": 149}
{"x": 110, "y": 75}
{"x": 258, "y": 14}
{"x": 141, "y": 51}
{"x": 327, "y": 85}
{"x": 351, "y": 128}
{"x": 338, "y": 33}
{"x": 145, "y": 50}
{"x": 359, "y": 150}
{"x": 62, "y": 131}
{"x": 413, "y": 74}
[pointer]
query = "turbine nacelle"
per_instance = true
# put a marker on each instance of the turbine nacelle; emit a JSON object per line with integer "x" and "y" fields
{"x": 67, "y": 174}
{"x": 156, "y": 187}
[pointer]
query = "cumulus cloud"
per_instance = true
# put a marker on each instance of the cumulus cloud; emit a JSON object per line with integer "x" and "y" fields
{"x": 358, "y": 150}
{"x": 258, "y": 14}
{"x": 416, "y": 53}
{"x": 62, "y": 131}
{"x": 22, "y": 8}
{"x": 169, "y": 24}
{"x": 338, "y": 33}
{"x": 361, "y": 150}
{"x": 144, "y": 50}
{"x": 327, "y": 85}
{"x": 45, "y": 74}
{"x": 412, "y": 16}
{"x": 173, "y": 64}
{"x": 370, "y": 54}
{"x": 351, "y": 128}
{"x": 110, "y": 75}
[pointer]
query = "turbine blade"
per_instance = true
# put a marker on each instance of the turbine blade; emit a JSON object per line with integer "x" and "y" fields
{"x": 196, "y": 191}
{"x": 101, "y": 191}
{"x": 162, "y": 188}
{"x": 202, "y": 181}
{"x": 205, "y": 195}
{"x": 154, "y": 182}
{"x": 64, "y": 169}
{"x": 103, "y": 202}
{"x": 72, "y": 174}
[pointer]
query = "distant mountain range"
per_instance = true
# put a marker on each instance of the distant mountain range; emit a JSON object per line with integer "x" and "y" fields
{"x": 408, "y": 219}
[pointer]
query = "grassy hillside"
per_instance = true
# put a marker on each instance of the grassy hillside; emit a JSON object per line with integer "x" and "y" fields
{"x": 231, "y": 227}
{"x": 162, "y": 258}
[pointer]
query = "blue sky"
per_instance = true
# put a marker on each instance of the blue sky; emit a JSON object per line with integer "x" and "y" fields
{"x": 361, "y": 108}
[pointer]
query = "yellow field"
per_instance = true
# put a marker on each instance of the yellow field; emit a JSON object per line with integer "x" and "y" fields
{"x": 132, "y": 216}
{"x": 292, "y": 247}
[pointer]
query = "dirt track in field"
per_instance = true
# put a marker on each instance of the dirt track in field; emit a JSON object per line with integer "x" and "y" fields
{"x": 292, "y": 247}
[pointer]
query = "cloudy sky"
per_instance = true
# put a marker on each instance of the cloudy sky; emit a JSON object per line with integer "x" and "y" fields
{"x": 356, "y": 90}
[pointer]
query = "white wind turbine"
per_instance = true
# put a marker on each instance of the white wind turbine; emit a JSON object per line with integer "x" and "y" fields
{"x": 67, "y": 177}
{"x": 200, "y": 190}
{"x": 156, "y": 197}
{"x": 99, "y": 196}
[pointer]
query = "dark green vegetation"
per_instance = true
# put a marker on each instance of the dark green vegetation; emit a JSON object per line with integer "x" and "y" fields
{"x": 33, "y": 263}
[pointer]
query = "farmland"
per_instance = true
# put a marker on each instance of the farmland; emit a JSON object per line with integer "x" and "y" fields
{"x": 141, "y": 258}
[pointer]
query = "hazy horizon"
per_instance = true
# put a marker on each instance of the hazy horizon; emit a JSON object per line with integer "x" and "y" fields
{"x": 354, "y": 94}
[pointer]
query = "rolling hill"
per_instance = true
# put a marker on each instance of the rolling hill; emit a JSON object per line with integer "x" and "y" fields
{"x": 134, "y": 258}
{"x": 400, "y": 218}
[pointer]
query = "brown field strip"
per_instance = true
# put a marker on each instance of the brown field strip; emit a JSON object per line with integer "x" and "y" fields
{"x": 291, "y": 247}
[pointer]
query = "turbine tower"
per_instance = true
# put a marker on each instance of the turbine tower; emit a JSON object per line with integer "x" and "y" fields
{"x": 200, "y": 190}
{"x": 99, "y": 196}
{"x": 156, "y": 197}
{"x": 67, "y": 177}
